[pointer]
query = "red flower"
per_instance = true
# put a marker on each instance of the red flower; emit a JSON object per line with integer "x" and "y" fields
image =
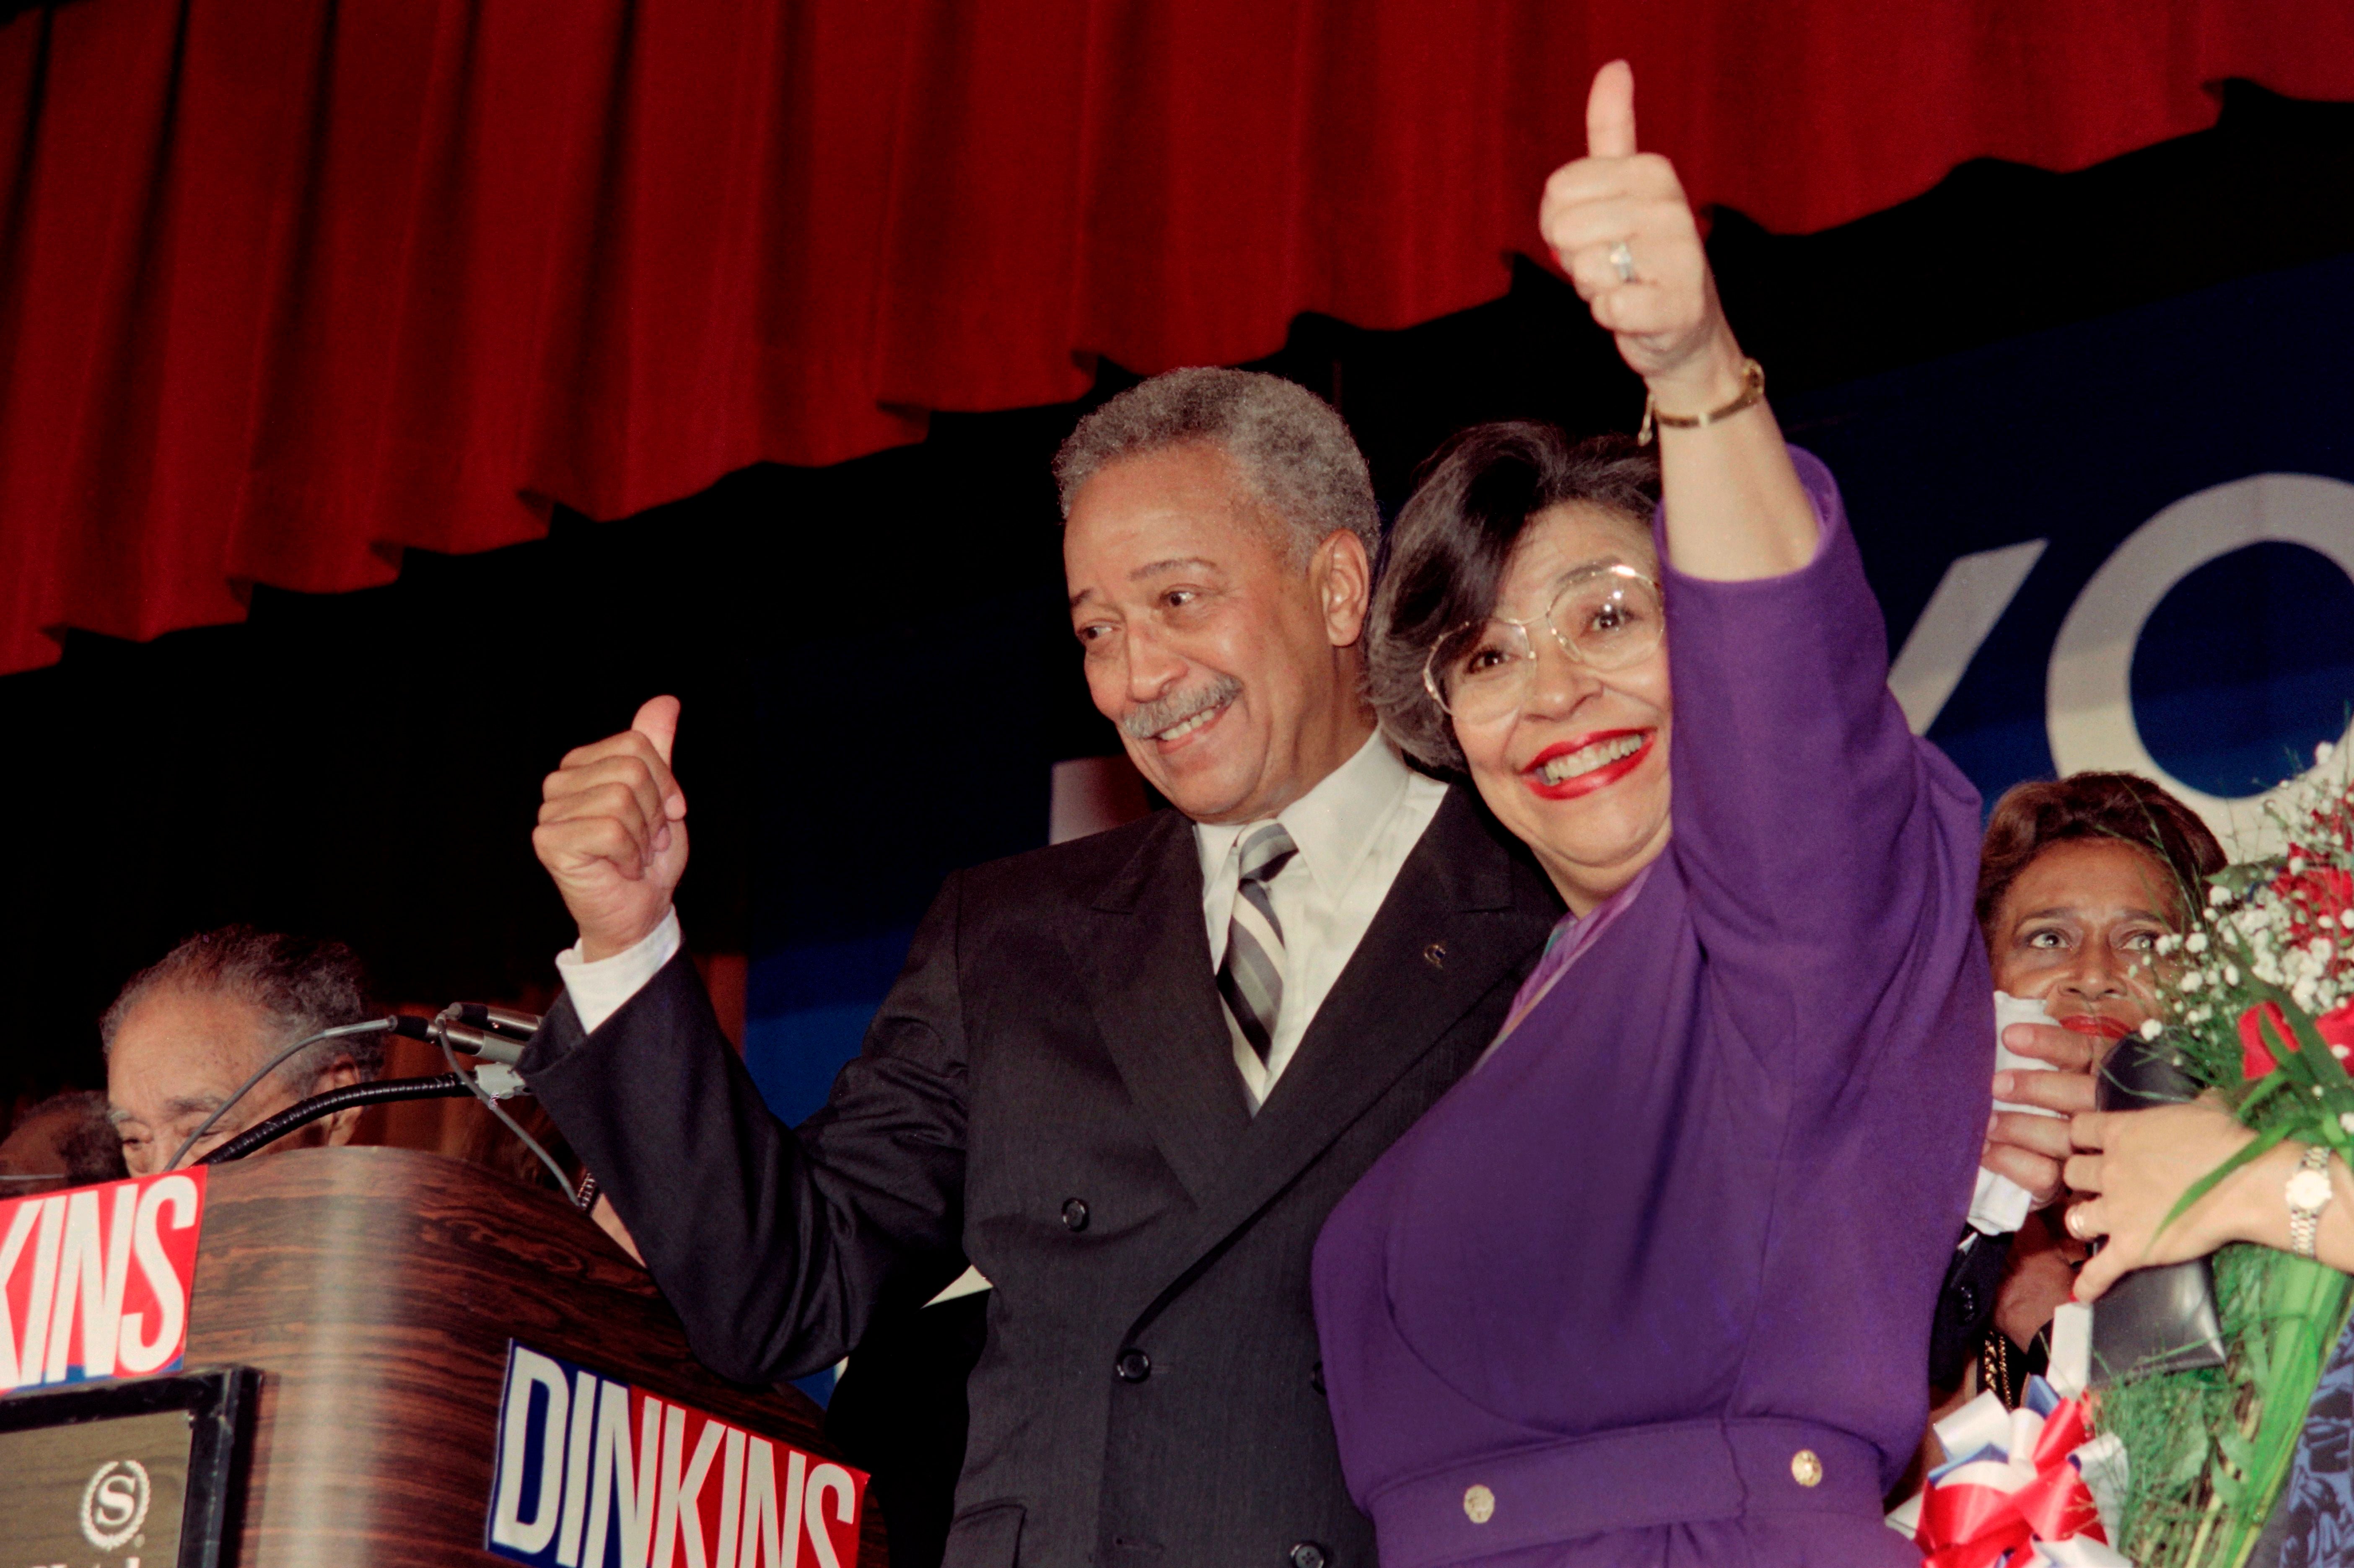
{"x": 2318, "y": 897}
{"x": 2256, "y": 1058}
{"x": 2336, "y": 1028}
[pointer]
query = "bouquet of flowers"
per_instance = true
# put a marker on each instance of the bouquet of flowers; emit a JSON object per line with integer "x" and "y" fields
{"x": 2259, "y": 994}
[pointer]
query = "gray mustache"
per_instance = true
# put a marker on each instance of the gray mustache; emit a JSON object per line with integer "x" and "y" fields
{"x": 1144, "y": 723}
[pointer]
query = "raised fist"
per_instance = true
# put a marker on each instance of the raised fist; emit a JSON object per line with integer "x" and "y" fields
{"x": 1619, "y": 224}
{"x": 612, "y": 831}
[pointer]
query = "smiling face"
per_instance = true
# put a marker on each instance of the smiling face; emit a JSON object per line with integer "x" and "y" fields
{"x": 2078, "y": 928}
{"x": 1579, "y": 771}
{"x": 1232, "y": 672}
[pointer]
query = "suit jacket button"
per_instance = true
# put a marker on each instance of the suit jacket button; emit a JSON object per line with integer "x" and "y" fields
{"x": 1309, "y": 1554}
{"x": 1434, "y": 955}
{"x": 1075, "y": 1215}
{"x": 1133, "y": 1366}
{"x": 1806, "y": 1469}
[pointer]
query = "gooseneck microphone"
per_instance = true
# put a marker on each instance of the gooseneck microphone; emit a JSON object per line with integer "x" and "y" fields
{"x": 495, "y": 1036}
{"x": 270, "y": 1130}
{"x": 371, "y": 1026}
{"x": 494, "y": 1033}
{"x": 498, "y": 1035}
{"x": 506, "y": 1021}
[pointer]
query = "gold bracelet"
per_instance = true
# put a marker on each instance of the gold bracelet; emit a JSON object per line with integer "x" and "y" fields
{"x": 1753, "y": 392}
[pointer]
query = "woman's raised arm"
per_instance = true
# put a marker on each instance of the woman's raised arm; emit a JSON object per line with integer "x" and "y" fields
{"x": 1619, "y": 224}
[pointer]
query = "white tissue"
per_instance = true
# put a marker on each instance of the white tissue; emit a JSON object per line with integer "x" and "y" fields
{"x": 1998, "y": 1206}
{"x": 2069, "y": 1369}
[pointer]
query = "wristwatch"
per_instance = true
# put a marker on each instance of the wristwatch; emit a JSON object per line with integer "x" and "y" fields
{"x": 2309, "y": 1193}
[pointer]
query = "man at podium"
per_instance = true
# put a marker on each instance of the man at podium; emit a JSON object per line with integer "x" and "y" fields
{"x": 186, "y": 1033}
{"x": 1126, "y": 1076}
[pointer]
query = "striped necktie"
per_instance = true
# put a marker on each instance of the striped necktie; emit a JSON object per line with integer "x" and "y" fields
{"x": 1251, "y": 978}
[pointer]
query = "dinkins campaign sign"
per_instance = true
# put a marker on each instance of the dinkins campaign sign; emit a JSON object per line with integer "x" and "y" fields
{"x": 94, "y": 1281}
{"x": 598, "y": 1474}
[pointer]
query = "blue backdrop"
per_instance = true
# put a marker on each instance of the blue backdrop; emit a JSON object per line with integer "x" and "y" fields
{"x": 2132, "y": 537}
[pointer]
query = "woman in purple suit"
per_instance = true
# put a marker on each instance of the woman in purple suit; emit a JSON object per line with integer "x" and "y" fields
{"x": 1654, "y": 1283}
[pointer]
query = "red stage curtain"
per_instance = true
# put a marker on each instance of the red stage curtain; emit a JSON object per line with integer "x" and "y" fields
{"x": 286, "y": 285}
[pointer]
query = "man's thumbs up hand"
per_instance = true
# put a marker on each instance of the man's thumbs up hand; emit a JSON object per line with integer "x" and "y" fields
{"x": 657, "y": 720}
{"x": 1619, "y": 224}
{"x": 612, "y": 831}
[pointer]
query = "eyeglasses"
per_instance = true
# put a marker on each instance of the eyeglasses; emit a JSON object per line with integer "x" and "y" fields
{"x": 1605, "y": 618}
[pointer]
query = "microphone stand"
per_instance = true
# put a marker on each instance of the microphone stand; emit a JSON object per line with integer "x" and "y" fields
{"x": 495, "y": 1036}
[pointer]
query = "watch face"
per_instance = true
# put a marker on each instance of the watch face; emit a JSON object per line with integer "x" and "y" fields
{"x": 2308, "y": 1190}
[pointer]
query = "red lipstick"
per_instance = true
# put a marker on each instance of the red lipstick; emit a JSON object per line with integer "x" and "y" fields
{"x": 1586, "y": 783}
{"x": 2093, "y": 1024}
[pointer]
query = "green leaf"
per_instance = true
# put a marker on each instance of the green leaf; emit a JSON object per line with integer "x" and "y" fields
{"x": 2262, "y": 1145}
{"x": 2266, "y": 1088}
{"x": 2329, "y": 1069}
{"x": 2309, "y": 1043}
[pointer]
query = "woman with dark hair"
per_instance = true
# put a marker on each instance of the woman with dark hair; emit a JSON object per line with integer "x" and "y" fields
{"x": 1653, "y": 1283}
{"x": 2120, "y": 818}
{"x": 2078, "y": 878}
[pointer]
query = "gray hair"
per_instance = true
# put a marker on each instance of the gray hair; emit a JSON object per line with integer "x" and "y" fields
{"x": 300, "y": 984}
{"x": 1291, "y": 448}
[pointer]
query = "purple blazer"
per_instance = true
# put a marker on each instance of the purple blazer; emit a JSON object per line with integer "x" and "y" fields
{"x": 1654, "y": 1283}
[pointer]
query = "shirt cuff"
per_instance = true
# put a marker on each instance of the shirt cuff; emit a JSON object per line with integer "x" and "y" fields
{"x": 601, "y": 989}
{"x": 1998, "y": 1206}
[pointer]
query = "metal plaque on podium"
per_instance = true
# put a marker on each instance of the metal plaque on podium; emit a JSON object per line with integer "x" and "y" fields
{"x": 141, "y": 1474}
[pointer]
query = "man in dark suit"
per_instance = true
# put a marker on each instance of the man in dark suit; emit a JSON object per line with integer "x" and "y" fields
{"x": 1126, "y": 1077}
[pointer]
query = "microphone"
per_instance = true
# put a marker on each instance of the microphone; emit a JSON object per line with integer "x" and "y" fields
{"x": 480, "y": 1042}
{"x": 506, "y": 1021}
{"x": 495, "y": 1036}
{"x": 494, "y": 1033}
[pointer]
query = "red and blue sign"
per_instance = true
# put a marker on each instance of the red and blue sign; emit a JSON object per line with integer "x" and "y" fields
{"x": 596, "y": 1473}
{"x": 94, "y": 1281}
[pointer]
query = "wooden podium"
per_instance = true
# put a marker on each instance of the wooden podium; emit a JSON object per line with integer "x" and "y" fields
{"x": 376, "y": 1290}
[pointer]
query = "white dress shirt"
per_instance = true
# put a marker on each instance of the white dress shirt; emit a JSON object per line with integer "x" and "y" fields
{"x": 1353, "y": 832}
{"x": 598, "y": 990}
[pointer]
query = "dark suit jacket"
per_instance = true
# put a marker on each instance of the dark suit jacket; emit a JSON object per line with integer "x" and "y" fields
{"x": 1049, "y": 1091}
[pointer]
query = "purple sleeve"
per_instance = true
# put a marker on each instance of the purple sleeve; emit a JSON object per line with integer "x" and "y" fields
{"x": 1831, "y": 855}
